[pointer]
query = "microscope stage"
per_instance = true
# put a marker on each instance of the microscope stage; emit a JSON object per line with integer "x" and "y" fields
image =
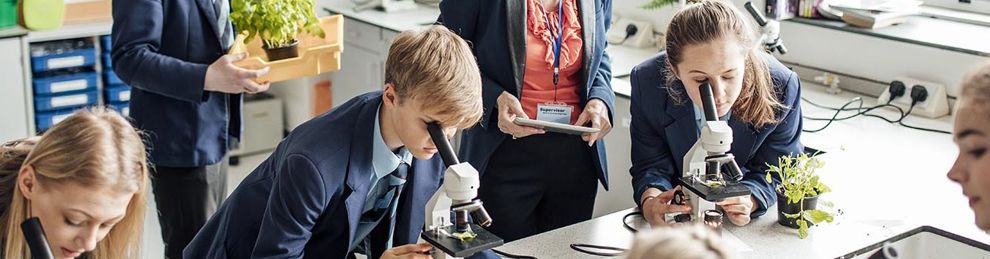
{"x": 458, "y": 248}
{"x": 714, "y": 193}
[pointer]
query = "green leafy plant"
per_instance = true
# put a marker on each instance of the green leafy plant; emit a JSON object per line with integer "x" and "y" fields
{"x": 277, "y": 22}
{"x": 657, "y": 4}
{"x": 799, "y": 180}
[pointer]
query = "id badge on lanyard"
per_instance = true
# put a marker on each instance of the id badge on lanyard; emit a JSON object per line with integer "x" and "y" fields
{"x": 555, "y": 111}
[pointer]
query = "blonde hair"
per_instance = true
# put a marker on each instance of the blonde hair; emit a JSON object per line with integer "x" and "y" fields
{"x": 693, "y": 241}
{"x": 710, "y": 20}
{"x": 976, "y": 88}
{"x": 436, "y": 67}
{"x": 94, "y": 148}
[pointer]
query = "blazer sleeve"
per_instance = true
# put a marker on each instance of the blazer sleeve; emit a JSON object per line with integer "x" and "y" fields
{"x": 785, "y": 139}
{"x": 137, "y": 37}
{"x": 652, "y": 162}
{"x": 601, "y": 86}
{"x": 298, "y": 198}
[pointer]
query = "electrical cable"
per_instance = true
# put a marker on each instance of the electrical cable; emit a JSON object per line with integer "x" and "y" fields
{"x": 863, "y": 111}
{"x": 618, "y": 251}
{"x": 513, "y": 256}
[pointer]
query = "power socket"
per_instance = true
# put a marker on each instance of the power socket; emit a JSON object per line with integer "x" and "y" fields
{"x": 936, "y": 105}
{"x": 642, "y": 38}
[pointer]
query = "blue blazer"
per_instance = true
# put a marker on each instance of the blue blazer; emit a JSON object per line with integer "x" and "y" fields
{"x": 663, "y": 131}
{"x": 161, "y": 48}
{"x": 305, "y": 200}
{"x": 496, "y": 30}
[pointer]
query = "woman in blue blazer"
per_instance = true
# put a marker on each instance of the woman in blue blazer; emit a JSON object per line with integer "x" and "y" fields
{"x": 533, "y": 181}
{"x": 755, "y": 93}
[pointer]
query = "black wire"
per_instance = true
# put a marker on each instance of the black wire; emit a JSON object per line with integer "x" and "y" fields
{"x": 863, "y": 111}
{"x": 584, "y": 249}
{"x": 837, "y": 111}
{"x": 619, "y": 251}
{"x": 625, "y": 223}
{"x": 513, "y": 256}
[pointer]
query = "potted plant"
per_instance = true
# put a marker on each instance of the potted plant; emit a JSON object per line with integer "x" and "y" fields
{"x": 657, "y": 4}
{"x": 276, "y": 22}
{"x": 798, "y": 188}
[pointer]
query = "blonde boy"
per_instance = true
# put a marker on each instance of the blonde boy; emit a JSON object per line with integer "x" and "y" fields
{"x": 357, "y": 178}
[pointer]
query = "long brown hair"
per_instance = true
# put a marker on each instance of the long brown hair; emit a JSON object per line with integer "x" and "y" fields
{"x": 94, "y": 148}
{"x": 710, "y": 20}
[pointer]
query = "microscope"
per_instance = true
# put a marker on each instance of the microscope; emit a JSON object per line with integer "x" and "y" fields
{"x": 769, "y": 30}
{"x": 448, "y": 227}
{"x": 34, "y": 235}
{"x": 711, "y": 173}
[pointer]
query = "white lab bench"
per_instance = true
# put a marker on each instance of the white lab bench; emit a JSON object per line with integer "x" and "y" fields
{"x": 886, "y": 179}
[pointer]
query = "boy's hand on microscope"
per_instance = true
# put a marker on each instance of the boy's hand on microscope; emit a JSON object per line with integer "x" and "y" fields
{"x": 410, "y": 251}
{"x": 738, "y": 209}
{"x": 655, "y": 206}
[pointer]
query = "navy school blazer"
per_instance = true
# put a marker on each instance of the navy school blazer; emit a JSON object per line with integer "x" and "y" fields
{"x": 305, "y": 200}
{"x": 496, "y": 31}
{"x": 161, "y": 48}
{"x": 663, "y": 131}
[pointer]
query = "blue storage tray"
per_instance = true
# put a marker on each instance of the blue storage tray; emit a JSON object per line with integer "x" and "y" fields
{"x": 69, "y": 59}
{"x": 105, "y": 43}
{"x": 124, "y": 108}
{"x": 118, "y": 93}
{"x": 107, "y": 62}
{"x": 45, "y": 120}
{"x": 110, "y": 78}
{"x": 65, "y": 101}
{"x": 64, "y": 83}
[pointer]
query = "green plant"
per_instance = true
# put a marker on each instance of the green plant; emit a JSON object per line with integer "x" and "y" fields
{"x": 657, "y": 4}
{"x": 799, "y": 180}
{"x": 277, "y": 22}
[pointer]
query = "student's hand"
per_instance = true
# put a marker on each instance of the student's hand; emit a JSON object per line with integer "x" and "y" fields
{"x": 656, "y": 205}
{"x": 508, "y": 109}
{"x": 595, "y": 112}
{"x": 223, "y": 76}
{"x": 739, "y": 208}
{"x": 410, "y": 251}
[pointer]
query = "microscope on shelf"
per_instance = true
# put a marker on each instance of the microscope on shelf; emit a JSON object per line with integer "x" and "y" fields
{"x": 711, "y": 173}
{"x": 769, "y": 30}
{"x": 448, "y": 227}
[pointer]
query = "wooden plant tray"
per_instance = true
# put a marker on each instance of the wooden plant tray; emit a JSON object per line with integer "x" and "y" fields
{"x": 316, "y": 55}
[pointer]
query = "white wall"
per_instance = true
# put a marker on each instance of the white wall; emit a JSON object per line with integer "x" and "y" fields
{"x": 844, "y": 52}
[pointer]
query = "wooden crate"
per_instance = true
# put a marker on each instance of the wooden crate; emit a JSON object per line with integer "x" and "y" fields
{"x": 83, "y": 11}
{"x": 316, "y": 55}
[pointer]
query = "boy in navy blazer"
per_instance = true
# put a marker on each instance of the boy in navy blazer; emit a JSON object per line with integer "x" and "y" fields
{"x": 356, "y": 179}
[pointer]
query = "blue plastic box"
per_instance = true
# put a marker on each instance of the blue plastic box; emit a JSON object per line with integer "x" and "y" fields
{"x": 124, "y": 108}
{"x": 65, "y": 101}
{"x": 69, "y": 59}
{"x": 64, "y": 83}
{"x": 110, "y": 78}
{"x": 45, "y": 120}
{"x": 118, "y": 93}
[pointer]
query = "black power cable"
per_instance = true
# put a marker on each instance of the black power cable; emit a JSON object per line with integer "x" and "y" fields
{"x": 863, "y": 111}
{"x": 513, "y": 256}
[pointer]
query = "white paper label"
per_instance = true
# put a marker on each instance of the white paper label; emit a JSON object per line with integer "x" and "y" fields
{"x": 66, "y": 86}
{"x": 58, "y": 118}
{"x": 73, "y": 61}
{"x": 126, "y": 112}
{"x": 69, "y": 100}
{"x": 124, "y": 96}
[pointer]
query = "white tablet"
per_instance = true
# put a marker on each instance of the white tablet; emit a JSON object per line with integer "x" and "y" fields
{"x": 555, "y": 127}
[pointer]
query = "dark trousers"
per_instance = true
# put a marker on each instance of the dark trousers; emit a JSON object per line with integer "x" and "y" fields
{"x": 186, "y": 198}
{"x": 539, "y": 183}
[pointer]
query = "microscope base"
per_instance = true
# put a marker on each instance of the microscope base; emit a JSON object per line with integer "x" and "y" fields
{"x": 457, "y": 248}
